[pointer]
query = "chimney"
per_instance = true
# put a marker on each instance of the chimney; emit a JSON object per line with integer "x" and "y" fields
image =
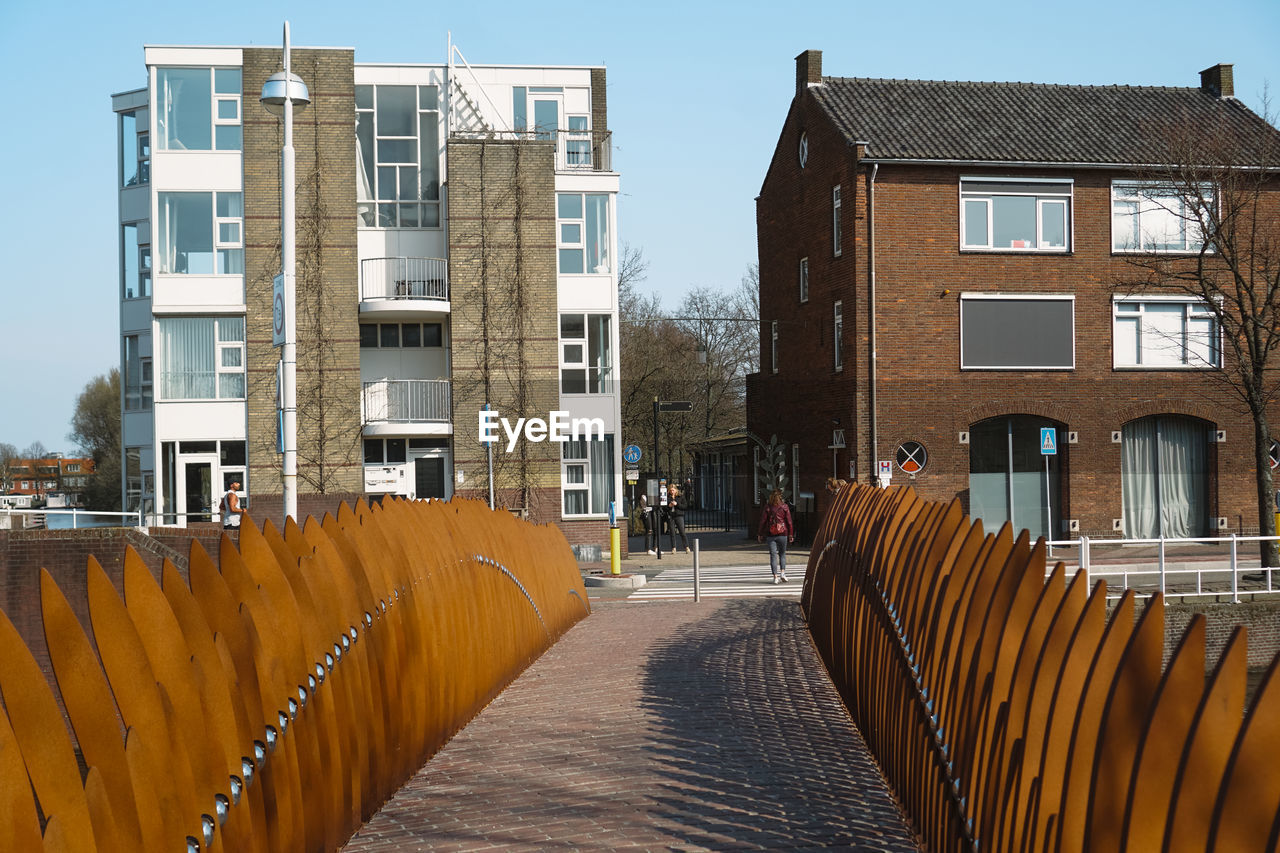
{"x": 1217, "y": 81}
{"x": 809, "y": 70}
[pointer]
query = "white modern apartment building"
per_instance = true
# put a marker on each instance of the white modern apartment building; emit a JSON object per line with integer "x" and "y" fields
{"x": 456, "y": 247}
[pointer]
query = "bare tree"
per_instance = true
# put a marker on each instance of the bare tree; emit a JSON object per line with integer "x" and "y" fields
{"x": 1217, "y": 198}
{"x": 95, "y": 428}
{"x": 35, "y": 450}
{"x": 8, "y": 453}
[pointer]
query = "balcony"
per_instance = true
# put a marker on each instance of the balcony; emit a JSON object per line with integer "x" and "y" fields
{"x": 406, "y": 401}
{"x": 576, "y": 150}
{"x": 413, "y": 284}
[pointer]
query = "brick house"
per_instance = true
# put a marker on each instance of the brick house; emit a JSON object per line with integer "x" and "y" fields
{"x": 939, "y": 297}
{"x": 456, "y": 247}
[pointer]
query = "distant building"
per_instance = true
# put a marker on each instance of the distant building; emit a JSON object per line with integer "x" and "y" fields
{"x": 456, "y": 246}
{"x": 39, "y": 478}
{"x": 938, "y": 263}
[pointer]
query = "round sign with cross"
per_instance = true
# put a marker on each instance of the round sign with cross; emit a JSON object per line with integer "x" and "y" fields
{"x": 911, "y": 457}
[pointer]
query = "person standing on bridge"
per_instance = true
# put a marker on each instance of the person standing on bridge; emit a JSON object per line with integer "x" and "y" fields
{"x": 777, "y": 526}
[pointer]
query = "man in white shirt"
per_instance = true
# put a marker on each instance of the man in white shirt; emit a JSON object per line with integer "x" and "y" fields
{"x": 231, "y": 510}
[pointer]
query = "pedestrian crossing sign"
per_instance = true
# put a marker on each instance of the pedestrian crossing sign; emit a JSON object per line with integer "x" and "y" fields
{"x": 1048, "y": 441}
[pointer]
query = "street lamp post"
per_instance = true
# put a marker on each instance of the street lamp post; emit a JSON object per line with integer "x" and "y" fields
{"x": 280, "y": 94}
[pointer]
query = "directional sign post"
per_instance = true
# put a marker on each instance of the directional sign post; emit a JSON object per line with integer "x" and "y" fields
{"x": 1048, "y": 447}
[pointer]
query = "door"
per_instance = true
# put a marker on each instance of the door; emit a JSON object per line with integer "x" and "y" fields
{"x": 546, "y": 115}
{"x": 1007, "y": 476}
{"x": 428, "y": 477}
{"x": 196, "y": 489}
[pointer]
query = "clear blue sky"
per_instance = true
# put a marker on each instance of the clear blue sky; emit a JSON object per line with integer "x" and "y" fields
{"x": 697, "y": 95}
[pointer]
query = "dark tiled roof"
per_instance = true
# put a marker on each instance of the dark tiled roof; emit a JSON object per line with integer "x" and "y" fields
{"x": 1030, "y": 122}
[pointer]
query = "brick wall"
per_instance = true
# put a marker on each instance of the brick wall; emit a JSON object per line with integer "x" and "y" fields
{"x": 502, "y": 270}
{"x": 921, "y": 393}
{"x": 328, "y": 373}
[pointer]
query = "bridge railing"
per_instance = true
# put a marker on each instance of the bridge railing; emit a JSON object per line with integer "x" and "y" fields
{"x": 1012, "y": 713}
{"x": 275, "y": 697}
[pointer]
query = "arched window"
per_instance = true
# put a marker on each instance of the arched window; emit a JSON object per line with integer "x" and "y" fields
{"x": 1007, "y": 474}
{"x": 1164, "y": 477}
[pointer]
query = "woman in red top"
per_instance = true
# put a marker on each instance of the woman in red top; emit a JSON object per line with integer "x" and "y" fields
{"x": 777, "y": 526}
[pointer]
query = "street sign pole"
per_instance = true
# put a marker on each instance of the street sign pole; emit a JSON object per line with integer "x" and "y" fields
{"x": 657, "y": 473}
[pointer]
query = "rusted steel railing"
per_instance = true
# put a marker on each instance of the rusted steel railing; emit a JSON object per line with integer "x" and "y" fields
{"x": 1009, "y": 713}
{"x": 285, "y": 692}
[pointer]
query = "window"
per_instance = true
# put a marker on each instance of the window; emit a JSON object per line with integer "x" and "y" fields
{"x": 136, "y": 260}
{"x": 1165, "y": 333}
{"x": 1007, "y": 478}
{"x": 577, "y": 145}
{"x": 137, "y": 377}
{"x": 587, "y": 476}
{"x": 835, "y": 221}
{"x": 198, "y": 109}
{"x": 1015, "y": 215}
{"x": 201, "y": 358}
{"x": 398, "y": 156}
{"x": 837, "y": 333}
{"x": 408, "y": 335}
{"x": 1023, "y": 332}
{"x": 583, "y": 232}
{"x": 773, "y": 345}
{"x": 804, "y": 279}
{"x": 1164, "y": 476}
{"x": 390, "y": 451}
{"x": 135, "y": 152}
{"x": 201, "y": 233}
{"x": 586, "y": 354}
{"x": 1153, "y": 217}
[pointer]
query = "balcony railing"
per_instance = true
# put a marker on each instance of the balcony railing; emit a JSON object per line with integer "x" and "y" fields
{"x": 404, "y": 278}
{"x": 406, "y": 401}
{"x": 576, "y": 150}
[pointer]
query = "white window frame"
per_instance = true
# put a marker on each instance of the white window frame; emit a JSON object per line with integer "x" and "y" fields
{"x": 1020, "y": 297}
{"x": 1025, "y": 187}
{"x": 602, "y": 380}
{"x": 1193, "y": 310}
{"x": 231, "y": 245}
{"x": 385, "y": 208}
{"x": 582, "y": 465}
{"x": 1138, "y": 194}
{"x": 581, "y": 244}
{"x": 835, "y": 220}
{"x": 804, "y": 279}
{"x": 773, "y": 333}
{"x": 837, "y": 333}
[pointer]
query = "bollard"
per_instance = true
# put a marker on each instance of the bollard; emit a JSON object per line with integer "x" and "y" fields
{"x": 615, "y": 550}
{"x": 697, "y": 570}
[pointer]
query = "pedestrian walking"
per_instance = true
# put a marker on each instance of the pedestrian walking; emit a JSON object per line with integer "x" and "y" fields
{"x": 650, "y": 526}
{"x": 230, "y": 506}
{"x": 675, "y": 518}
{"x": 777, "y": 527}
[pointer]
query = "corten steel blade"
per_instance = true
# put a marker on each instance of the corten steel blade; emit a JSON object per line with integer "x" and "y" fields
{"x": 226, "y": 716}
{"x": 86, "y": 695}
{"x": 103, "y": 815}
{"x": 1216, "y": 725}
{"x": 1074, "y": 808}
{"x": 1125, "y": 716}
{"x": 1250, "y": 796}
{"x": 1156, "y": 765}
{"x": 19, "y": 820}
{"x": 43, "y": 740}
{"x": 138, "y": 696}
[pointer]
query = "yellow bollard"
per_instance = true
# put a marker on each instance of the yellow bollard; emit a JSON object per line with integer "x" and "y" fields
{"x": 615, "y": 551}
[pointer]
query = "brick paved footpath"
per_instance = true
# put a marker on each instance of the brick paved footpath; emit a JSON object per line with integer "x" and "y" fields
{"x": 663, "y": 726}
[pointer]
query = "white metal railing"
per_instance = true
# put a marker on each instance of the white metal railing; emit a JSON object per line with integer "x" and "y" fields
{"x": 76, "y": 517}
{"x": 404, "y": 278}
{"x": 1189, "y": 568}
{"x": 576, "y": 150}
{"x": 406, "y": 400}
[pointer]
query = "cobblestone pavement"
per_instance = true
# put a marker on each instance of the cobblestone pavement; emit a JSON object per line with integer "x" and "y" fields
{"x": 665, "y": 726}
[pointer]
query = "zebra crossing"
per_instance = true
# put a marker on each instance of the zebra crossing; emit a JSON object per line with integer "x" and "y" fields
{"x": 720, "y": 582}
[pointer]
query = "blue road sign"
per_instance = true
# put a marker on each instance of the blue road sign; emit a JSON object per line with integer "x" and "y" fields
{"x": 1048, "y": 441}
{"x": 631, "y": 454}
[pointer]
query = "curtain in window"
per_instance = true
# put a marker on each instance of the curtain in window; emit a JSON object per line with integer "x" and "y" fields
{"x": 1163, "y": 479}
{"x": 1138, "y": 479}
{"x": 187, "y": 351}
{"x": 184, "y": 120}
{"x": 601, "y": 474}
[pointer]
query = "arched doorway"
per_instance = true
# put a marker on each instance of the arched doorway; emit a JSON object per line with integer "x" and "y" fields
{"x": 1007, "y": 479}
{"x": 1164, "y": 477}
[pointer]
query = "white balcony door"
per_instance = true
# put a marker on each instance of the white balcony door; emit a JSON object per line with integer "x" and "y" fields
{"x": 546, "y": 114}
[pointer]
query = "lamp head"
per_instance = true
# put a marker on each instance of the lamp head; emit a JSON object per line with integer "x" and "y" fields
{"x": 283, "y": 86}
